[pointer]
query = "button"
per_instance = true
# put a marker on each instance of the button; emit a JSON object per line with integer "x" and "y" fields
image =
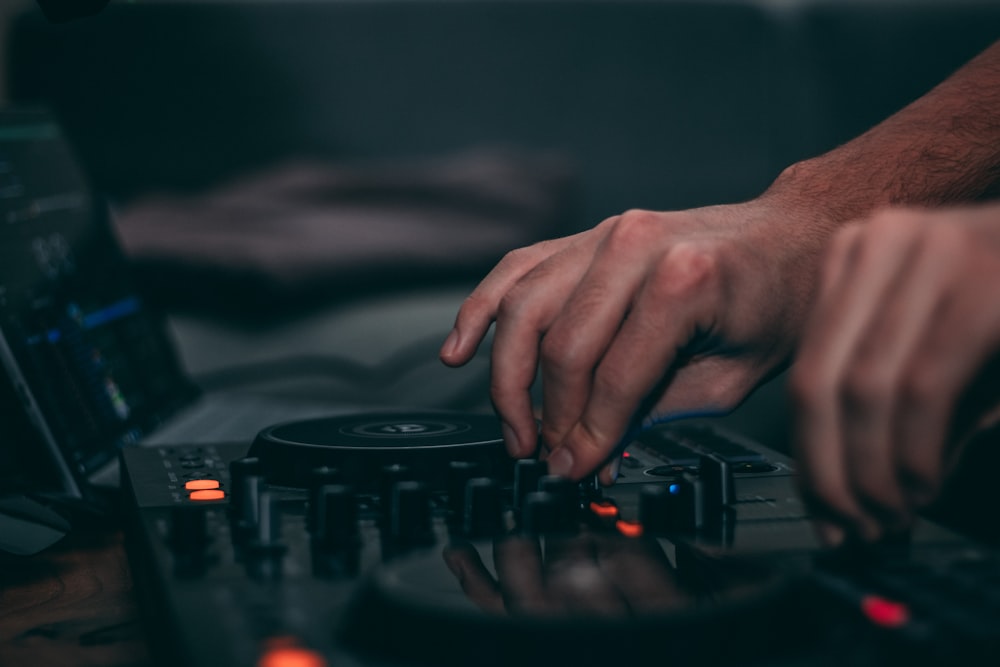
{"x": 207, "y": 494}
{"x": 629, "y": 528}
{"x": 194, "y": 463}
{"x": 201, "y": 484}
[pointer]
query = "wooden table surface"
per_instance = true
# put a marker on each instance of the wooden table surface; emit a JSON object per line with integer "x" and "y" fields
{"x": 73, "y": 605}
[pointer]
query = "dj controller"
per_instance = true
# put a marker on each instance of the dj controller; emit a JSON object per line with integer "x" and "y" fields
{"x": 390, "y": 540}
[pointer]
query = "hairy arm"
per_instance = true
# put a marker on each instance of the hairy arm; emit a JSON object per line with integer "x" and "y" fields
{"x": 944, "y": 148}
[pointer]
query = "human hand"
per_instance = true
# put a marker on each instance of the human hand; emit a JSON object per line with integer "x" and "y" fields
{"x": 590, "y": 574}
{"x": 646, "y": 317}
{"x": 895, "y": 364}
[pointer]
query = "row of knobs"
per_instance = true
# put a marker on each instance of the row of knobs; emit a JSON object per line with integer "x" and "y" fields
{"x": 542, "y": 504}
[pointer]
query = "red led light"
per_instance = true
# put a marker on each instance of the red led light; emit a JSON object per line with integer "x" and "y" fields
{"x": 887, "y": 613}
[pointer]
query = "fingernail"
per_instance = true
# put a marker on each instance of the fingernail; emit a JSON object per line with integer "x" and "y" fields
{"x": 561, "y": 462}
{"x": 450, "y": 344}
{"x": 616, "y": 468}
{"x": 510, "y": 440}
{"x": 831, "y": 535}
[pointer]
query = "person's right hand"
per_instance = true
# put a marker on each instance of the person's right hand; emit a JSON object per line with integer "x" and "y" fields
{"x": 898, "y": 363}
{"x": 646, "y": 317}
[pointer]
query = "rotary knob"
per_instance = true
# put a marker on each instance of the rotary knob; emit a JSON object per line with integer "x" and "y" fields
{"x": 410, "y": 515}
{"x": 527, "y": 472}
{"x": 482, "y": 515}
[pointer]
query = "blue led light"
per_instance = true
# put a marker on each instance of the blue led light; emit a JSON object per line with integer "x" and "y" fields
{"x": 674, "y": 489}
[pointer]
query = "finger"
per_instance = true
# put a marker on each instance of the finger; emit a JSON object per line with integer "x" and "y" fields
{"x": 937, "y": 382}
{"x": 590, "y": 318}
{"x": 814, "y": 385}
{"x": 519, "y": 573}
{"x": 885, "y": 302}
{"x": 575, "y": 578}
{"x": 642, "y": 574}
{"x": 610, "y": 472}
{"x": 477, "y": 583}
{"x": 480, "y": 308}
{"x": 524, "y": 315}
{"x": 879, "y": 367}
{"x": 676, "y": 301}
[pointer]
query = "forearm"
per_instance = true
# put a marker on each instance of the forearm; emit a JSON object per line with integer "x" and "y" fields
{"x": 943, "y": 148}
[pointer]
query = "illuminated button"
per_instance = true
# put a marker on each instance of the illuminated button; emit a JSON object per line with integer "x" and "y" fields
{"x": 201, "y": 484}
{"x": 207, "y": 494}
{"x": 629, "y": 528}
{"x": 604, "y": 509}
{"x": 291, "y": 656}
{"x": 887, "y": 613}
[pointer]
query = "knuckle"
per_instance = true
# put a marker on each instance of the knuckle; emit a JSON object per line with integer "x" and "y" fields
{"x": 514, "y": 305}
{"x": 476, "y": 306}
{"x": 865, "y": 387}
{"x": 563, "y": 353}
{"x": 632, "y": 227}
{"x": 518, "y": 257}
{"x": 686, "y": 268}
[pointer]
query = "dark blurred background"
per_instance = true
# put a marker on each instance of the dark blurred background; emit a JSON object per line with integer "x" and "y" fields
{"x": 655, "y": 104}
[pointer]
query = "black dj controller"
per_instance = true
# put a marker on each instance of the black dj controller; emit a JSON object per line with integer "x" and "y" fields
{"x": 411, "y": 539}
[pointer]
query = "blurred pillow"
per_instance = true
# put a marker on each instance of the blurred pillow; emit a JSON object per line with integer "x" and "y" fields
{"x": 306, "y": 231}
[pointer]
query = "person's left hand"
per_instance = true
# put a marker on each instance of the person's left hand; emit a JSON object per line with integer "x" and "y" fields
{"x": 894, "y": 366}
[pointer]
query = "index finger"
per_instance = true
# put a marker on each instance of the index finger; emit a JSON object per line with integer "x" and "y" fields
{"x": 480, "y": 308}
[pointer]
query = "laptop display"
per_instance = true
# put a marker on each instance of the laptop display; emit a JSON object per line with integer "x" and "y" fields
{"x": 90, "y": 361}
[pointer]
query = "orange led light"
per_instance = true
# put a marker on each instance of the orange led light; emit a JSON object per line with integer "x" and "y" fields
{"x": 604, "y": 509}
{"x": 207, "y": 494}
{"x": 629, "y": 528}
{"x": 201, "y": 484}
{"x": 291, "y": 656}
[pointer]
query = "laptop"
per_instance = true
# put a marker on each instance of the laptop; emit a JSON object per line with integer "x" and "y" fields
{"x": 89, "y": 360}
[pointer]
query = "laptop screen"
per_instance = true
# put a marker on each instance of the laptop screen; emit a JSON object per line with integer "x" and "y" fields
{"x": 82, "y": 348}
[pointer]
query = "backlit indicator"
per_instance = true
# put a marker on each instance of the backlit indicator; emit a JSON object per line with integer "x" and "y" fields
{"x": 604, "y": 509}
{"x": 629, "y": 528}
{"x": 201, "y": 484}
{"x": 207, "y": 494}
{"x": 887, "y": 613}
{"x": 291, "y": 656}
